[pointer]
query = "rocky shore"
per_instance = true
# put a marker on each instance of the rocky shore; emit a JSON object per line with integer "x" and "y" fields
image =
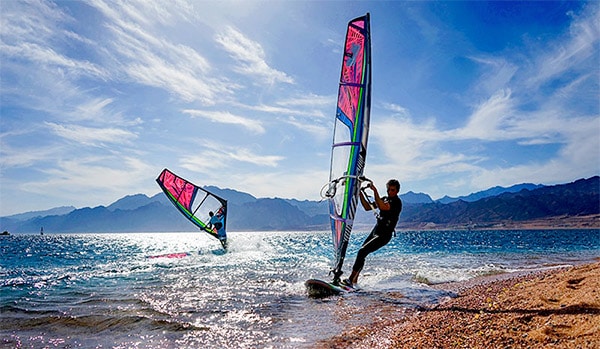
{"x": 559, "y": 308}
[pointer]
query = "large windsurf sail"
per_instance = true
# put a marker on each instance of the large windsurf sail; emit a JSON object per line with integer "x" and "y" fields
{"x": 350, "y": 136}
{"x": 195, "y": 203}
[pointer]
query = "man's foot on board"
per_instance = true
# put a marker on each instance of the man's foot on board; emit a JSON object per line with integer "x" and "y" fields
{"x": 347, "y": 282}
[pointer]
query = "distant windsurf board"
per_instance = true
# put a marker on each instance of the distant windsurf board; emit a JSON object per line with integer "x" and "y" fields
{"x": 172, "y": 255}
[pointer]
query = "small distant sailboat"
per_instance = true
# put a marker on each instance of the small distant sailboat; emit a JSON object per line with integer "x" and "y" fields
{"x": 204, "y": 209}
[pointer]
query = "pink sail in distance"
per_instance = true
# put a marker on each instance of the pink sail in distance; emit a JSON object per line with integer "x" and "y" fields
{"x": 193, "y": 202}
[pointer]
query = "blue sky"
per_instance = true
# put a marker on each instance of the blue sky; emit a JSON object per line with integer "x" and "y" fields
{"x": 97, "y": 97}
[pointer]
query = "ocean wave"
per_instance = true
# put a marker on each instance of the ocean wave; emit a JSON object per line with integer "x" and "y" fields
{"x": 95, "y": 324}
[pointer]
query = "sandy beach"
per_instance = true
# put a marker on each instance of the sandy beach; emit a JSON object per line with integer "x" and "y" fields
{"x": 559, "y": 308}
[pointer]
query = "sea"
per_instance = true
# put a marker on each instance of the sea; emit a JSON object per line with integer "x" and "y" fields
{"x": 181, "y": 290}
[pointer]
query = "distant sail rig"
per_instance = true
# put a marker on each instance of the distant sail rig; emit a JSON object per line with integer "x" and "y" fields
{"x": 193, "y": 202}
{"x": 350, "y": 136}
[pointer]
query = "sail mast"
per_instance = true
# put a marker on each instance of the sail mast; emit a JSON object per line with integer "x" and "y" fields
{"x": 350, "y": 136}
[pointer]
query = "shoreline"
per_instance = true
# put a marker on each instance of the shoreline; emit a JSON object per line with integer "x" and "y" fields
{"x": 590, "y": 222}
{"x": 556, "y": 308}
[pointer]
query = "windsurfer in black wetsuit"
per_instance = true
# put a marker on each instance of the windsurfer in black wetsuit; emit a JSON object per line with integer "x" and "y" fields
{"x": 389, "y": 207}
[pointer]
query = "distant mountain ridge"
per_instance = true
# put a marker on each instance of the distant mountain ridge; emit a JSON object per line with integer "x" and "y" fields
{"x": 129, "y": 202}
{"x": 416, "y": 198}
{"x": 140, "y": 213}
{"x": 490, "y": 192}
{"x": 53, "y": 211}
{"x": 579, "y": 198}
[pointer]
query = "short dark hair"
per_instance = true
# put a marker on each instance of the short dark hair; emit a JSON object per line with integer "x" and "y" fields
{"x": 395, "y": 183}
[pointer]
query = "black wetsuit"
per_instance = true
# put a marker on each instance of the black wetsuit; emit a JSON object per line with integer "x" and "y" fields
{"x": 381, "y": 233}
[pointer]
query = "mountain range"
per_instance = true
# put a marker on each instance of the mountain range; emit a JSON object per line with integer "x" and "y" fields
{"x": 498, "y": 205}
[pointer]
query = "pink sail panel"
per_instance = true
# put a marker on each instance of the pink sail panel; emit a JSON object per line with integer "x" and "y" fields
{"x": 179, "y": 188}
{"x": 352, "y": 71}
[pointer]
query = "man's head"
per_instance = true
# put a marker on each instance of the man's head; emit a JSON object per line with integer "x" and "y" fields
{"x": 393, "y": 187}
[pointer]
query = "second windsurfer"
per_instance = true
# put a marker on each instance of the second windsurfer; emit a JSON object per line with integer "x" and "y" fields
{"x": 217, "y": 223}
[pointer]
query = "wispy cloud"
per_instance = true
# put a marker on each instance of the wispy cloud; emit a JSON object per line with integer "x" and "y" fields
{"x": 91, "y": 109}
{"x": 38, "y": 27}
{"x": 12, "y": 157}
{"x": 491, "y": 120}
{"x": 48, "y": 57}
{"x": 251, "y": 57}
{"x": 573, "y": 54}
{"x": 227, "y": 118}
{"x": 34, "y": 38}
{"x": 216, "y": 157}
{"x": 497, "y": 73}
{"x": 151, "y": 13}
{"x": 396, "y": 109}
{"x": 90, "y": 135}
{"x": 150, "y": 59}
{"x": 316, "y": 129}
{"x": 308, "y": 101}
{"x": 305, "y": 113}
{"x": 414, "y": 150}
{"x": 305, "y": 182}
{"x": 73, "y": 179}
{"x": 246, "y": 155}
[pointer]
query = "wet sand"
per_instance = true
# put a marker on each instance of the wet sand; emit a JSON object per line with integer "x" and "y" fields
{"x": 558, "y": 308}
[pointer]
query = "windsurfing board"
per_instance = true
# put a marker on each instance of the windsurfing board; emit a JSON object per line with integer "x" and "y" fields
{"x": 318, "y": 288}
{"x": 171, "y": 255}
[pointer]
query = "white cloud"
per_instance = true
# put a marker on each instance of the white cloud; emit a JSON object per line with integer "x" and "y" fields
{"x": 24, "y": 157}
{"x": 396, "y": 109}
{"x": 574, "y": 53}
{"x": 75, "y": 180}
{"x": 300, "y": 113}
{"x": 33, "y": 37}
{"x": 498, "y": 73}
{"x": 491, "y": 120}
{"x": 92, "y": 109}
{"x": 215, "y": 157}
{"x": 320, "y": 131}
{"x": 301, "y": 184}
{"x": 38, "y": 26}
{"x": 227, "y": 118}
{"x": 402, "y": 140}
{"x": 90, "y": 135}
{"x": 51, "y": 59}
{"x": 413, "y": 151}
{"x": 303, "y": 113}
{"x": 245, "y": 155}
{"x": 151, "y": 59}
{"x": 251, "y": 57}
{"x": 309, "y": 101}
{"x": 154, "y": 12}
